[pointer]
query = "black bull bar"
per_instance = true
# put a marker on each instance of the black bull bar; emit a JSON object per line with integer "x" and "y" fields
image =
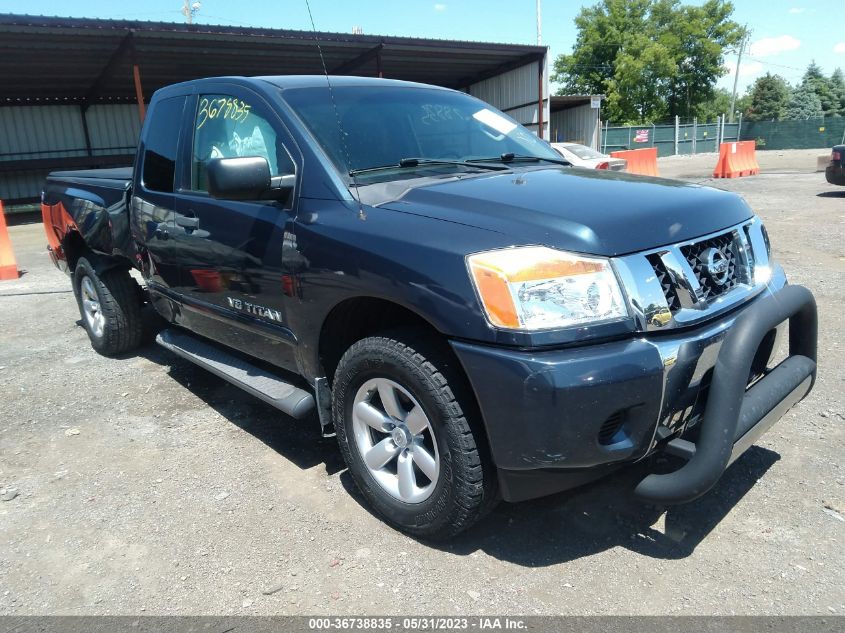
{"x": 735, "y": 417}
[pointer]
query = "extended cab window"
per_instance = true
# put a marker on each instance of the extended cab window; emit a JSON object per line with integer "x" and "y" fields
{"x": 161, "y": 144}
{"x": 226, "y": 127}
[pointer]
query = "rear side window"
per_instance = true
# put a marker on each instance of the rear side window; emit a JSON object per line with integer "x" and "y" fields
{"x": 161, "y": 144}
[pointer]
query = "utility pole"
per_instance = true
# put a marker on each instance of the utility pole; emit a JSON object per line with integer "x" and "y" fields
{"x": 189, "y": 10}
{"x": 745, "y": 36}
{"x": 539, "y": 24}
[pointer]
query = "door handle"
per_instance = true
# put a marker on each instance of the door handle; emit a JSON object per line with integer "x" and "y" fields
{"x": 188, "y": 221}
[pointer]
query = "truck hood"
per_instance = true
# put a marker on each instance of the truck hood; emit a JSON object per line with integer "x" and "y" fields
{"x": 574, "y": 209}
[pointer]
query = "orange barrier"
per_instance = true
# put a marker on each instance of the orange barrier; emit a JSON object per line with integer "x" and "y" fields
{"x": 640, "y": 161}
{"x": 737, "y": 160}
{"x": 8, "y": 266}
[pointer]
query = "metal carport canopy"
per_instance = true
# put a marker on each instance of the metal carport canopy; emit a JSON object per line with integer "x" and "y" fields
{"x": 86, "y": 61}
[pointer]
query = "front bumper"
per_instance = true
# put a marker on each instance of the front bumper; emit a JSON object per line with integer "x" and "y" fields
{"x": 555, "y": 419}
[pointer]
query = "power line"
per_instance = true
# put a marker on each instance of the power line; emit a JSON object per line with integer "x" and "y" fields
{"x": 761, "y": 61}
{"x": 229, "y": 20}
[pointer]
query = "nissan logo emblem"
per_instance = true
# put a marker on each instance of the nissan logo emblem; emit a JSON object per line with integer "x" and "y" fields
{"x": 717, "y": 265}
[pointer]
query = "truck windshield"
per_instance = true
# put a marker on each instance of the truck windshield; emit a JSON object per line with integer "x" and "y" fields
{"x": 384, "y": 125}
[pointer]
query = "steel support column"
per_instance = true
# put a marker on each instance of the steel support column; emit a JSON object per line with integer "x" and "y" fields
{"x": 136, "y": 76}
{"x": 540, "y": 65}
{"x": 139, "y": 92}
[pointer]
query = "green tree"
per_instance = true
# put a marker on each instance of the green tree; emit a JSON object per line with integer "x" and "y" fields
{"x": 837, "y": 84}
{"x": 804, "y": 104}
{"x": 717, "y": 105}
{"x": 720, "y": 104}
{"x": 652, "y": 58}
{"x": 610, "y": 34}
{"x": 815, "y": 81}
{"x": 697, "y": 37}
{"x": 769, "y": 96}
{"x": 635, "y": 92}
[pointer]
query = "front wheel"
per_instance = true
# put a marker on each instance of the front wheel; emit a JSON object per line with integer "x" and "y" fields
{"x": 110, "y": 306}
{"x": 402, "y": 427}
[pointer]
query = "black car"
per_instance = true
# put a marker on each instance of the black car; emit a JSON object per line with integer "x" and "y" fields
{"x": 471, "y": 316}
{"x": 835, "y": 170}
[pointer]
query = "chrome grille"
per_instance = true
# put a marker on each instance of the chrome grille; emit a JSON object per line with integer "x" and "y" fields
{"x": 696, "y": 256}
{"x": 684, "y": 283}
{"x": 665, "y": 282}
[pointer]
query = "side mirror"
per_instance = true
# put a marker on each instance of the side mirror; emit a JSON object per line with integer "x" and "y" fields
{"x": 246, "y": 178}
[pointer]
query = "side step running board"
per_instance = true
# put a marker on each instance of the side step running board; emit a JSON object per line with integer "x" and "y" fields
{"x": 282, "y": 395}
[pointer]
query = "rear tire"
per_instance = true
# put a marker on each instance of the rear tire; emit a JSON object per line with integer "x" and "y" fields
{"x": 110, "y": 306}
{"x": 399, "y": 412}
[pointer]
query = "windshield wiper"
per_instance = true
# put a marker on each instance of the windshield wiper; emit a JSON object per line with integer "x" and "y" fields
{"x": 510, "y": 157}
{"x": 422, "y": 162}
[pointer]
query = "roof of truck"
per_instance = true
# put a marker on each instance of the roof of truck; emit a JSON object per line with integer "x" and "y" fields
{"x": 319, "y": 81}
{"x": 288, "y": 82}
{"x": 310, "y": 81}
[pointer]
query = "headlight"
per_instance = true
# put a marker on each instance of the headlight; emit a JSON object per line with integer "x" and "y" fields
{"x": 538, "y": 288}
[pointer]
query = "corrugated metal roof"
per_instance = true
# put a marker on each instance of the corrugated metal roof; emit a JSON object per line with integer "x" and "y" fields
{"x": 104, "y": 24}
{"x": 90, "y": 60}
{"x": 562, "y": 102}
{"x": 73, "y": 62}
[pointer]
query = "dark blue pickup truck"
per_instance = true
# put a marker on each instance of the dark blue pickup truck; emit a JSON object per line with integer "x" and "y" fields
{"x": 474, "y": 318}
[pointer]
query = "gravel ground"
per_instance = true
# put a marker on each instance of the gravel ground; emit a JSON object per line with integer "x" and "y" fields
{"x": 145, "y": 485}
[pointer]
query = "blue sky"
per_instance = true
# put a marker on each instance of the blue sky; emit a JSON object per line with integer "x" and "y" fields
{"x": 787, "y": 34}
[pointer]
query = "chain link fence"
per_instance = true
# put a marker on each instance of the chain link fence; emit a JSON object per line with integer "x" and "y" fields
{"x": 697, "y": 138}
{"x": 672, "y": 138}
{"x": 807, "y": 134}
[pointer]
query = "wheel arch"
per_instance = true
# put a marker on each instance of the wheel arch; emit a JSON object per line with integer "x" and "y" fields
{"x": 352, "y": 320}
{"x": 75, "y": 247}
{"x": 358, "y": 317}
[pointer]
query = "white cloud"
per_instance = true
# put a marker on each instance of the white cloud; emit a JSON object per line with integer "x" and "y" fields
{"x": 839, "y": 48}
{"x": 750, "y": 69}
{"x": 796, "y": 10}
{"x": 774, "y": 45}
{"x": 439, "y": 7}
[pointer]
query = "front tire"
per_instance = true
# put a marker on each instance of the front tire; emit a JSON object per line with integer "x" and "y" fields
{"x": 110, "y": 306}
{"x": 400, "y": 412}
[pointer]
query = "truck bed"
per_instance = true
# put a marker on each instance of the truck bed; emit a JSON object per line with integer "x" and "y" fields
{"x": 111, "y": 173}
{"x": 96, "y": 202}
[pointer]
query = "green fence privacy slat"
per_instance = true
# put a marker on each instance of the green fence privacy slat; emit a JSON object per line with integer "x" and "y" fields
{"x": 664, "y": 133}
{"x": 663, "y": 137}
{"x": 807, "y": 134}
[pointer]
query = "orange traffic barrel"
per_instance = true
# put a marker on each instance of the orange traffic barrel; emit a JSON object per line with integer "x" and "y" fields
{"x": 8, "y": 265}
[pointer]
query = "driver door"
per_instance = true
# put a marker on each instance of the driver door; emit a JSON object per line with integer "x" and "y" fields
{"x": 230, "y": 251}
